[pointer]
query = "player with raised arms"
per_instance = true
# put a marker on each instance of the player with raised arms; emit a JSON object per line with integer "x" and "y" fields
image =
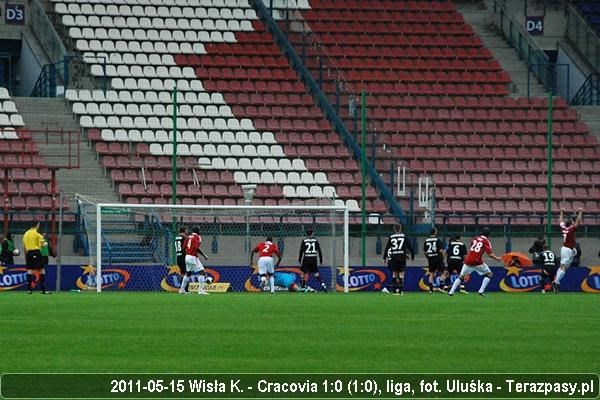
{"x": 266, "y": 265}
{"x": 474, "y": 262}
{"x": 192, "y": 262}
{"x": 180, "y": 251}
{"x": 307, "y": 257}
{"x": 395, "y": 255}
{"x": 567, "y": 251}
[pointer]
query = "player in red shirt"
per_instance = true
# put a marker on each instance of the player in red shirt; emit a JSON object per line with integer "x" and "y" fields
{"x": 474, "y": 262}
{"x": 192, "y": 262}
{"x": 266, "y": 267}
{"x": 567, "y": 251}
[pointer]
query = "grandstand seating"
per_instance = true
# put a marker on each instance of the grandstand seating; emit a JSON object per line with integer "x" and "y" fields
{"x": 242, "y": 114}
{"x": 27, "y": 171}
{"x": 437, "y": 100}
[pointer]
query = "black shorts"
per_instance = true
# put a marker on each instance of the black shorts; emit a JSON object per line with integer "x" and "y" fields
{"x": 397, "y": 264}
{"x": 436, "y": 265}
{"x": 33, "y": 259}
{"x": 181, "y": 264}
{"x": 548, "y": 272}
{"x": 309, "y": 266}
{"x": 455, "y": 266}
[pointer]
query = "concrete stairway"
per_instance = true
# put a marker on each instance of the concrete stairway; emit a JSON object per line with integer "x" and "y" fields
{"x": 53, "y": 114}
{"x": 480, "y": 18}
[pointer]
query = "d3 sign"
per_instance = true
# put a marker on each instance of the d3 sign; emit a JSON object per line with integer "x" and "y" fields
{"x": 15, "y": 14}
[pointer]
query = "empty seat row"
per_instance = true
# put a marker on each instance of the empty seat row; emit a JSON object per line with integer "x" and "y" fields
{"x": 161, "y": 136}
{"x": 115, "y": 10}
{"x": 11, "y": 120}
{"x": 196, "y": 94}
{"x": 147, "y": 22}
{"x": 138, "y": 71}
{"x": 256, "y": 164}
{"x": 127, "y": 122}
{"x": 159, "y": 110}
{"x": 212, "y": 150}
{"x": 281, "y": 178}
{"x": 148, "y": 47}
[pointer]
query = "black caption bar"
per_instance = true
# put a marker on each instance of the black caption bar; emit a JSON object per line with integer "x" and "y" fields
{"x": 293, "y": 386}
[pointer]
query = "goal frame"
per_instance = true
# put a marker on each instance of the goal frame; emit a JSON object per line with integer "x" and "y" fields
{"x": 100, "y": 206}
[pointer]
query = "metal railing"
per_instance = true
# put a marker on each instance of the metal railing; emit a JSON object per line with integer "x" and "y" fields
{"x": 45, "y": 32}
{"x": 326, "y": 106}
{"x": 59, "y": 74}
{"x": 589, "y": 93}
{"x": 582, "y": 37}
{"x": 528, "y": 50}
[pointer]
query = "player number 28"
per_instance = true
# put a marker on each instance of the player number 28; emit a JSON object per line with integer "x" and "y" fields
{"x": 476, "y": 247}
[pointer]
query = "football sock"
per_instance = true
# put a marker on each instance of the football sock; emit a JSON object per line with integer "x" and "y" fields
{"x": 29, "y": 281}
{"x": 455, "y": 286}
{"x": 201, "y": 280}
{"x": 272, "y": 283}
{"x": 184, "y": 283}
{"x": 394, "y": 285}
{"x": 303, "y": 282}
{"x": 484, "y": 284}
{"x": 43, "y": 282}
{"x": 559, "y": 275}
{"x": 400, "y": 284}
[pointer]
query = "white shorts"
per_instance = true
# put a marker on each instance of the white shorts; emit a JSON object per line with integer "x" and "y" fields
{"x": 566, "y": 256}
{"x": 193, "y": 264}
{"x": 266, "y": 265}
{"x": 480, "y": 269}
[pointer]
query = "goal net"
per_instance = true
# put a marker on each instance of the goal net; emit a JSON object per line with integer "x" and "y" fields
{"x": 132, "y": 247}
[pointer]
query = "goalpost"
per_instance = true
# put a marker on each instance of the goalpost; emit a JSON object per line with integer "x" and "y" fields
{"x": 131, "y": 246}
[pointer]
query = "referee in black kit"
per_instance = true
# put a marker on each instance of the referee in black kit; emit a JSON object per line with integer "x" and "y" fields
{"x": 307, "y": 257}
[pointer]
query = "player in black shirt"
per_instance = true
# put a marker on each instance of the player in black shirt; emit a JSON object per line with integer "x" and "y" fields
{"x": 434, "y": 250}
{"x": 395, "y": 255}
{"x": 455, "y": 256}
{"x": 179, "y": 251}
{"x": 310, "y": 249}
{"x": 549, "y": 264}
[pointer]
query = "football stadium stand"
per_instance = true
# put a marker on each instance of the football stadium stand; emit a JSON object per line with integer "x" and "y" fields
{"x": 437, "y": 99}
{"x": 25, "y": 174}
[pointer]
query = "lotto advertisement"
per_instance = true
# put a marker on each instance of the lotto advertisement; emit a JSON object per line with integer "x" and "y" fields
{"x": 244, "y": 278}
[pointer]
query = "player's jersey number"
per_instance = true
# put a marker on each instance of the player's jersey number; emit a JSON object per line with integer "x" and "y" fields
{"x": 476, "y": 246}
{"x": 456, "y": 250}
{"x": 431, "y": 247}
{"x": 178, "y": 246}
{"x": 548, "y": 257}
{"x": 397, "y": 243}
{"x": 310, "y": 247}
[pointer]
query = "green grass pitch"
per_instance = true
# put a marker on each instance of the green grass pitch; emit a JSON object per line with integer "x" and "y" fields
{"x": 359, "y": 332}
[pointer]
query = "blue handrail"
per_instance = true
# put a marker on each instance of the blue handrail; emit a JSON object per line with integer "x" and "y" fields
{"x": 323, "y": 102}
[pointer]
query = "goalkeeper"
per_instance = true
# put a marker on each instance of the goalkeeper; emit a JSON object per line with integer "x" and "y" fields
{"x": 288, "y": 281}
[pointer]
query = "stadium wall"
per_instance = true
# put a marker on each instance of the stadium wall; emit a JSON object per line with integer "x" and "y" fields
{"x": 243, "y": 278}
{"x": 231, "y": 249}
